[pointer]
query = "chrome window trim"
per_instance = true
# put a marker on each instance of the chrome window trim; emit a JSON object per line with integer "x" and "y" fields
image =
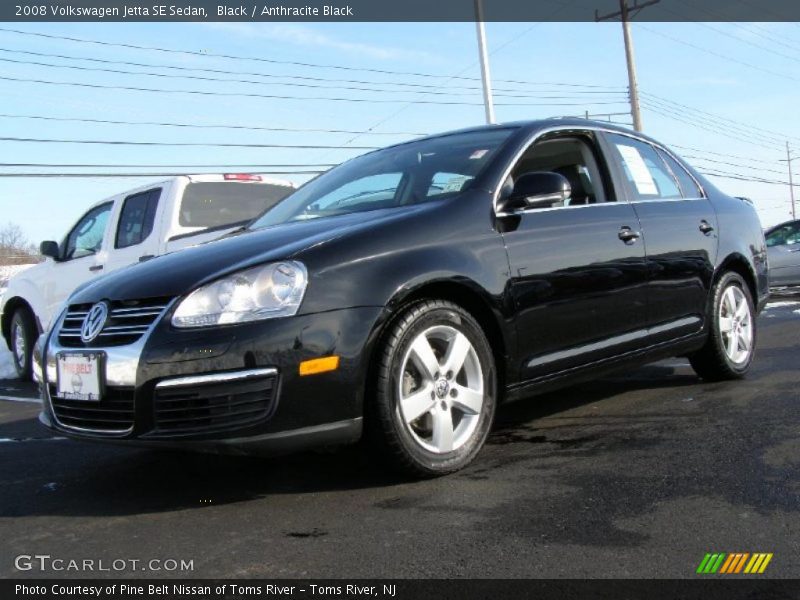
{"x": 211, "y": 378}
{"x": 671, "y": 155}
{"x": 533, "y": 138}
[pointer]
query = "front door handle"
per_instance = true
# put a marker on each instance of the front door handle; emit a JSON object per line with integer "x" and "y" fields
{"x": 628, "y": 235}
{"x": 96, "y": 268}
{"x": 706, "y": 227}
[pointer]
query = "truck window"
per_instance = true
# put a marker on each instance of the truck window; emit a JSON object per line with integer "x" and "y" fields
{"x": 86, "y": 238}
{"x": 219, "y": 204}
{"x": 137, "y": 218}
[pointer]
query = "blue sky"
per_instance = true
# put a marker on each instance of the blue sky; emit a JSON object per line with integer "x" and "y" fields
{"x": 744, "y": 76}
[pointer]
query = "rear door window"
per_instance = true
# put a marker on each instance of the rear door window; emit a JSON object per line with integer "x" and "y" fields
{"x": 647, "y": 176}
{"x": 689, "y": 187}
{"x": 218, "y": 204}
{"x": 137, "y": 218}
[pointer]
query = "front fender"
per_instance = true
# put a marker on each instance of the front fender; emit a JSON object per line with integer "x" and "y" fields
{"x": 22, "y": 291}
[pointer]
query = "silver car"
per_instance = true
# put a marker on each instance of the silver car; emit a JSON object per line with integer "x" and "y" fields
{"x": 783, "y": 248}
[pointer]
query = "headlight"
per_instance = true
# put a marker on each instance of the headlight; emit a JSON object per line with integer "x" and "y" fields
{"x": 264, "y": 292}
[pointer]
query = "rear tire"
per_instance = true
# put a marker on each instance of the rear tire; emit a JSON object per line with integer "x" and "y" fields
{"x": 434, "y": 390}
{"x": 23, "y": 337}
{"x": 728, "y": 352}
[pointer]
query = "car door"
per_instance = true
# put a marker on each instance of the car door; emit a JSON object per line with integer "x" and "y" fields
{"x": 137, "y": 232}
{"x": 783, "y": 249}
{"x": 82, "y": 255}
{"x": 577, "y": 271}
{"x": 679, "y": 227}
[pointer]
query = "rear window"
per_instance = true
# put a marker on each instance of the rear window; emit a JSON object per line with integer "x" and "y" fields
{"x": 220, "y": 204}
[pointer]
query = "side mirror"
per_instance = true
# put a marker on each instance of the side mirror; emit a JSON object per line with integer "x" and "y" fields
{"x": 50, "y": 249}
{"x": 538, "y": 189}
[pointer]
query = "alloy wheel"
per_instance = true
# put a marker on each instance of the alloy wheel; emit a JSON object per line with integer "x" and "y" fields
{"x": 441, "y": 389}
{"x": 736, "y": 325}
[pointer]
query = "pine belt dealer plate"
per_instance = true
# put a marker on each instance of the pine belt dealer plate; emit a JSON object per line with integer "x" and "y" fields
{"x": 80, "y": 376}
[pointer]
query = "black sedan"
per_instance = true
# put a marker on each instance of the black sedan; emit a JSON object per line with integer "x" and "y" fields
{"x": 405, "y": 293}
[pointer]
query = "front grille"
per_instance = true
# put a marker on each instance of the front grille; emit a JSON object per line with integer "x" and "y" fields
{"x": 127, "y": 322}
{"x": 208, "y": 407}
{"x": 113, "y": 414}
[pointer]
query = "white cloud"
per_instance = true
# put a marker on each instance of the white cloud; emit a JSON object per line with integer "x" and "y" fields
{"x": 299, "y": 35}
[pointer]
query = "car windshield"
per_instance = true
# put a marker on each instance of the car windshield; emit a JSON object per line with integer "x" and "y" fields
{"x": 416, "y": 172}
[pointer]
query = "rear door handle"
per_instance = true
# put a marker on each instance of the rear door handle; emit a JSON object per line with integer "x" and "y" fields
{"x": 96, "y": 268}
{"x": 146, "y": 257}
{"x": 628, "y": 235}
{"x": 706, "y": 227}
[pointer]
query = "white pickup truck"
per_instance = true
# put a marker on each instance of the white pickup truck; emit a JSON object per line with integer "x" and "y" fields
{"x": 122, "y": 230}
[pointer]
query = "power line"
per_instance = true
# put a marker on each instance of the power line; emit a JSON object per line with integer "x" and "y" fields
{"x": 719, "y": 55}
{"x": 268, "y": 60}
{"x": 572, "y": 96}
{"x": 724, "y": 128}
{"x": 598, "y": 89}
{"x": 731, "y": 164}
{"x": 683, "y": 119}
{"x": 208, "y": 144}
{"x": 205, "y": 126}
{"x": 282, "y": 97}
{"x": 779, "y": 136}
{"x": 737, "y": 176}
{"x": 734, "y": 156}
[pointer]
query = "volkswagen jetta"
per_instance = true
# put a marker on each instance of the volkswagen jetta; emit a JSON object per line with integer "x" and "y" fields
{"x": 405, "y": 293}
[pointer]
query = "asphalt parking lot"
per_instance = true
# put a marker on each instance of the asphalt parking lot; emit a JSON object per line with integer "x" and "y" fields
{"x": 635, "y": 475}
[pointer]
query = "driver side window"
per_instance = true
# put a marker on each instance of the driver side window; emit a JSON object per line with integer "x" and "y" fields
{"x": 572, "y": 157}
{"x": 86, "y": 238}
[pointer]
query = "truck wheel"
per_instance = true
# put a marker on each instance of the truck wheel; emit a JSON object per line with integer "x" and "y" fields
{"x": 23, "y": 337}
{"x": 728, "y": 352}
{"x": 435, "y": 390}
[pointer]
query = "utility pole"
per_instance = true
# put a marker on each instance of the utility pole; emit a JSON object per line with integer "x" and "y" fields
{"x": 625, "y": 13}
{"x": 488, "y": 102}
{"x": 791, "y": 182}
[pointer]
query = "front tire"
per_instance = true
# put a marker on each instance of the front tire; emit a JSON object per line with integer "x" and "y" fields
{"x": 434, "y": 390}
{"x": 728, "y": 352}
{"x": 23, "y": 337}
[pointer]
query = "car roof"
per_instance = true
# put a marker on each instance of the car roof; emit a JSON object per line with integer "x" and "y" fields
{"x": 532, "y": 126}
{"x": 779, "y": 225}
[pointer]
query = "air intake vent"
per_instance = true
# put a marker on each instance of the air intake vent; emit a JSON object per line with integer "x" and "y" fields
{"x": 206, "y": 406}
{"x": 113, "y": 414}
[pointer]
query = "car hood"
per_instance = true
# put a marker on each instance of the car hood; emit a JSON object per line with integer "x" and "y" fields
{"x": 180, "y": 272}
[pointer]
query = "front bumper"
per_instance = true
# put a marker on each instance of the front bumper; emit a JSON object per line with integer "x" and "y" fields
{"x": 226, "y": 389}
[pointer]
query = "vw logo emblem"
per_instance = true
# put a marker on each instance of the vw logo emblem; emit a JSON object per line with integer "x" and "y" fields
{"x": 94, "y": 322}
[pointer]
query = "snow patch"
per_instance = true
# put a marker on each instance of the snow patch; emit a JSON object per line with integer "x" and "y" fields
{"x": 7, "y": 370}
{"x": 782, "y": 303}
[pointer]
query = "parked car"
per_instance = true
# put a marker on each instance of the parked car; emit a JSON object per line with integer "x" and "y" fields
{"x": 783, "y": 249}
{"x": 406, "y": 292}
{"x": 130, "y": 227}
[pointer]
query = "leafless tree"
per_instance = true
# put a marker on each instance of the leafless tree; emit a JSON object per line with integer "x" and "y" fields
{"x": 15, "y": 248}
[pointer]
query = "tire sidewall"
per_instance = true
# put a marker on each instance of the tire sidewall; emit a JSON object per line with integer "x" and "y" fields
{"x": 20, "y": 325}
{"x": 727, "y": 280}
{"x": 460, "y": 320}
